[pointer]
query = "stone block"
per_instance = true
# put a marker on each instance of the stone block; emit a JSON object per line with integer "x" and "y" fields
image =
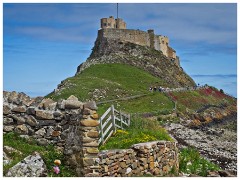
{"x": 95, "y": 116}
{"x": 8, "y": 128}
{"x": 19, "y": 109}
{"x": 21, "y": 129}
{"x": 92, "y": 150}
{"x": 40, "y": 114}
{"x": 91, "y": 105}
{"x": 31, "y": 110}
{"x": 72, "y": 103}
{"x": 6, "y": 110}
{"x": 89, "y": 123}
{"x": 93, "y": 134}
{"x": 18, "y": 118}
{"x": 88, "y": 161}
{"x": 31, "y": 121}
{"x": 56, "y": 133}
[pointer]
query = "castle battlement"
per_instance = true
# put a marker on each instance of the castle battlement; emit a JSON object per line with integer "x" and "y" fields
{"x": 116, "y": 29}
{"x": 113, "y": 23}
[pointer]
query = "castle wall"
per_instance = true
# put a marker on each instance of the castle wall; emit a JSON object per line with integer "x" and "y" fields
{"x": 133, "y": 36}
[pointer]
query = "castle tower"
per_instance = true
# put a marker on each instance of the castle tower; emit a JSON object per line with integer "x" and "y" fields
{"x": 113, "y": 23}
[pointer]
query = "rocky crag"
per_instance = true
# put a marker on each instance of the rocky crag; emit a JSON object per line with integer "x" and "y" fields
{"x": 146, "y": 58}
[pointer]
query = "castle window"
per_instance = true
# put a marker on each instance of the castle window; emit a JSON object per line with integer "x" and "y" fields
{"x": 104, "y": 24}
{"x": 109, "y": 24}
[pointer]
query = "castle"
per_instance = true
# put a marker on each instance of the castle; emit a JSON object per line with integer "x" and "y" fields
{"x": 116, "y": 29}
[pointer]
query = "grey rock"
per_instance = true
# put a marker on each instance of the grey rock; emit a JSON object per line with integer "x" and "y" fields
{"x": 19, "y": 109}
{"x": 9, "y": 150}
{"x": 41, "y": 132}
{"x": 6, "y": 160}
{"x": 31, "y": 121}
{"x": 72, "y": 103}
{"x": 6, "y": 109}
{"x": 31, "y": 166}
{"x": 21, "y": 129}
{"x": 8, "y": 128}
{"x": 91, "y": 105}
{"x": 8, "y": 121}
{"x": 40, "y": 114}
{"x": 42, "y": 142}
{"x": 18, "y": 118}
{"x": 31, "y": 110}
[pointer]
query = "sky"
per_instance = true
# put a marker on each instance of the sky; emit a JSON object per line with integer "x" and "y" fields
{"x": 44, "y": 43}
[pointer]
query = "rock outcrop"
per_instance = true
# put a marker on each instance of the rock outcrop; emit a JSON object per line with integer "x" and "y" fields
{"x": 146, "y": 58}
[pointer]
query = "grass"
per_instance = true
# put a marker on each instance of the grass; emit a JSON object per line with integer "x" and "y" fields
{"x": 192, "y": 163}
{"x": 141, "y": 130}
{"x": 27, "y": 147}
{"x": 111, "y": 79}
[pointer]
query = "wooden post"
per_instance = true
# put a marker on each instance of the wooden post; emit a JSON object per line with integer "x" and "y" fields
{"x": 121, "y": 118}
{"x": 101, "y": 129}
{"x": 113, "y": 119}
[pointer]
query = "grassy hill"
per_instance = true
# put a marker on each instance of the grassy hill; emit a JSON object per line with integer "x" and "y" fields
{"x": 104, "y": 82}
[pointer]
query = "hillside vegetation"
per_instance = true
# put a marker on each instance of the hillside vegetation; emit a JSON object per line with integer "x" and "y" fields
{"x": 111, "y": 83}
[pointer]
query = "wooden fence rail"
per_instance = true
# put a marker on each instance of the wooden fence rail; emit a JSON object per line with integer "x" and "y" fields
{"x": 110, "y": 121}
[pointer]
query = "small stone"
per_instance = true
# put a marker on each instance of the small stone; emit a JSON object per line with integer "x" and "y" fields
{"x": 72, "y": 103}
{"x": 151, "y": 165}
{"x": 31, "y": 121}
{"x": 89, "y": 123}
{"x": 40, "y": 114}
{"x": 21, "y": 129}
{"x": 41, "y": 132}
{"x": 93, "y": 134}
{"x": 56, "y": 133}
{"x": 9, "y": 150}
{"x": 128, "y": 170}
{"x": 42, "y": 142}
{"x": 122, "y": 164}
{"x": 19, "y": 109}
{"x": 88, "y": 161}
{"x": 91, "y": 105}
{"x": 31, "y": 110}
{"x": 91, "y": 144}
{"x": 18, "y": 118}
{"x": 92, "y": 150}
{"x": 6, "y": 110}
{"x": 8, "y": 128}
{"x": 95, "y": 116}
{"x": 7, "y": 121}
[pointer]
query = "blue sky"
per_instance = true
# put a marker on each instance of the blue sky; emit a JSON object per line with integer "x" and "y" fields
{"x": 44, "y": 43}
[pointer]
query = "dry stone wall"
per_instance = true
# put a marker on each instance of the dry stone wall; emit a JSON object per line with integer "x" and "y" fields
{"x": 156, "y": 158}
{"x": 73, "y": 127}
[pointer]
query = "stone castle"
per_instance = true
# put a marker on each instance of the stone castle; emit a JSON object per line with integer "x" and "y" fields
{"x": 116, "y": 29}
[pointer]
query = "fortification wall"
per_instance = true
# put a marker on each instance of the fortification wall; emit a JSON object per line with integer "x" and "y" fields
{"x": 133, "y": 36}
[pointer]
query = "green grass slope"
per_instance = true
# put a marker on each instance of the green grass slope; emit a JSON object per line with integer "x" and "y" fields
{"x": 109, "y": 84}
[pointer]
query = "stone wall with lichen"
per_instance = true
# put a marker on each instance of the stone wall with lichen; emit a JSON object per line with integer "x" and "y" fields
{"x": 73, "y": 127}
{"x": 156, "y": 158}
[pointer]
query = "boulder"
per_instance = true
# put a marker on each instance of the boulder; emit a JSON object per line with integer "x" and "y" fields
{"x": 48, "y": 104}
{"x": 89, "y": 123}
{"x": 8, "y": 121}
{"x": 31, "y": 166}
{"x": 41, "y": 132}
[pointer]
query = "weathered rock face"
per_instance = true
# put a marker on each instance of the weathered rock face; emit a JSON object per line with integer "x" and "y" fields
{"x": 31, "y": 166}
{"x": 153, "y": 61}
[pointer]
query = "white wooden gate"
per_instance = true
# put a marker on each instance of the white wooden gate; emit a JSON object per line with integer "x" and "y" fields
{"x": 110, "y": 121}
